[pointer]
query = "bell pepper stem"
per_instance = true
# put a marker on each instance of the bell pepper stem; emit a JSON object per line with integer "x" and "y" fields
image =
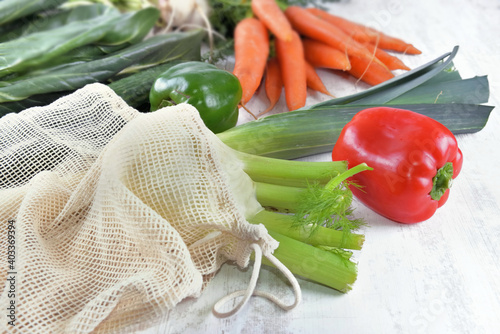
{"x": 442, "y": 181}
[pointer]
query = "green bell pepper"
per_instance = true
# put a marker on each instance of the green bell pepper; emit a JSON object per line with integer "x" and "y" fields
{"x": 214, "y": 92}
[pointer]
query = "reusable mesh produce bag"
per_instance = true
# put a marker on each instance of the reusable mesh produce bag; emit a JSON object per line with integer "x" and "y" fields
{"x": 111, "y": 217}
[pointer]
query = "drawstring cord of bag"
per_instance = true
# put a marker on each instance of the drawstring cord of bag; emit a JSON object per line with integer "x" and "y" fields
{"x": 250, "y": 291}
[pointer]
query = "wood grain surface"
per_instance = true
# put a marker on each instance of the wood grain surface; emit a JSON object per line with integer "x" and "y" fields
{"x": 438, "y": 276}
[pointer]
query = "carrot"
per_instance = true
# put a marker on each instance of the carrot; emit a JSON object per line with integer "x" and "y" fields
{"x": 320, "y": 54}
{"x": 273, "y": 18}
{"x": 392, "y": 62}
{"x": 387, "y": 42}
{"x": 352, "y": 29}
{"x": 293, "y": 70}
{"x": 314, "y": 81}
{"x": 313, "y": 27}
{"x": 251, "y": 49}
{"x": 371, "y": 73}
{"x": 273, "y": 83}
{"x": 363, "y": 34}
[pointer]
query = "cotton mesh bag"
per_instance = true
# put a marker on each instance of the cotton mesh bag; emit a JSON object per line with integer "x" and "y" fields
{"x": 111, "y": 217}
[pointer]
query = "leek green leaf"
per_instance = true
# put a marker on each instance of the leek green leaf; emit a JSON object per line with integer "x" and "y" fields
{"x": 447, "y": 74}
{"x": 456, "y": 91}
{"x": 396, "y": 86}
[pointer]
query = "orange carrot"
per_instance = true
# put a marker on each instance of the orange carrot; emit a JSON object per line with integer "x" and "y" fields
{"x": 362, "y": 33}
{"x": 314, "y": 81}
{"x": 273, "y": 83}
{"x": 320, "y": 54}
{"x": 370, "y": 72}
{"x": 273, "y": 18}
{"x": 293, "y": 70}
{"x": 392, "y": 62}
{"x": 387, "y": 42}
{"x": 313, "y": 27}
{"x": 352, "y": 29}
{"x": 251, "y": 49}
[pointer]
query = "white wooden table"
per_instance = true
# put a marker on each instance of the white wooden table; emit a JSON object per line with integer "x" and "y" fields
{"x": 439, "y": 276}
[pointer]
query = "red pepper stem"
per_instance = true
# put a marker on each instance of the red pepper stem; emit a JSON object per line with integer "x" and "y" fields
{"x": 337, "y": 180}
{"x": 442, "y": 181}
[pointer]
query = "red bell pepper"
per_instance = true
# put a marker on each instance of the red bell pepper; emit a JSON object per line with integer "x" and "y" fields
{"x": 414, "y": 159}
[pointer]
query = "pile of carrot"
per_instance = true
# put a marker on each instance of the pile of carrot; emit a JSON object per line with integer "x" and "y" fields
{"x": 282, "y": 49}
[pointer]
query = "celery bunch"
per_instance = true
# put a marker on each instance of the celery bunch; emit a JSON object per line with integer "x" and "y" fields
{"x": 308, "y": 211}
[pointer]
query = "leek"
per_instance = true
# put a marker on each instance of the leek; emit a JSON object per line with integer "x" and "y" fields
{"x": 434, "y": 89}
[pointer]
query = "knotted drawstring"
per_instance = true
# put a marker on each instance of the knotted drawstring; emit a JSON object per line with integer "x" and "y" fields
{"x": 250, "y": 291}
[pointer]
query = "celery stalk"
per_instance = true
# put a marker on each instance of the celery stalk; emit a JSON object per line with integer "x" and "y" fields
{"x": 321, "y": 266}
{"x": 289, "y": 173}
{"x": 312, "y": 241}
{"x": 312, "y": 235}
{"x": 278, "y": 197}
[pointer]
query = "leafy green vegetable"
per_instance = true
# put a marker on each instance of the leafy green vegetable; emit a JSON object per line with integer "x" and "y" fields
{"x": 130, "y": 29}
{"x": 160, "y": 48}
{"x": 46, "y": 20}
{"x": 133, "y": 89}
{"x": 32, "y": 101}
{"x": 122, "y": 5}
{"x": 11, "y": 10}
{"x": 19, "y": 55}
